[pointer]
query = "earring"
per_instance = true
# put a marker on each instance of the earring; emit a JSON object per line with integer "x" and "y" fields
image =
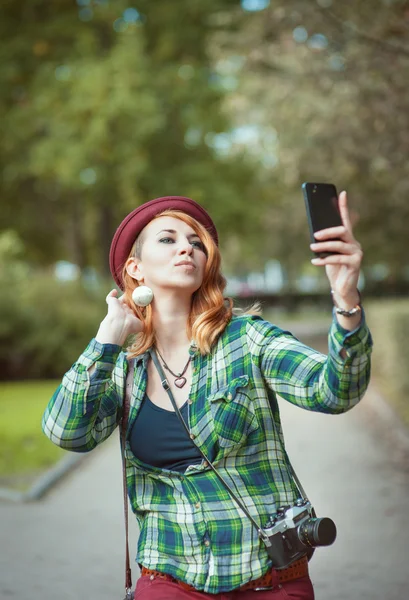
{"x": 142, "y": 295}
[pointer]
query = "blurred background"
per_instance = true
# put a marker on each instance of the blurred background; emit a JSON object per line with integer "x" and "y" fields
{"x": 108, "y": 104}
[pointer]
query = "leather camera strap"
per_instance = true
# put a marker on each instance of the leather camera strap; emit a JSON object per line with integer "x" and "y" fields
{"x": 124, "y": 423}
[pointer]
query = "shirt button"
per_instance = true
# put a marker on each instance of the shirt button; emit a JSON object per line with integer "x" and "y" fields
{"x": 192, "y": 436}
{"x": 205, "y": 464}
{"x": 197, "y": 504}
{"x": 229, "y": 396}
{"x": 207, "y": 543}
{"x": 190, "y": 401}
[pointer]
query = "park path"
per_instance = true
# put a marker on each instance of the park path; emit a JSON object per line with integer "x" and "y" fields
{"x": 70, "y": 544}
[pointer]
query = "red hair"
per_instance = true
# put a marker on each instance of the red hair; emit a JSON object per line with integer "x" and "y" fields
{"x": 210, "y": 311}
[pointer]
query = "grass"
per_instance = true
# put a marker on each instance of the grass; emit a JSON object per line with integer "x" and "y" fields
{"x": 24, "y": 450}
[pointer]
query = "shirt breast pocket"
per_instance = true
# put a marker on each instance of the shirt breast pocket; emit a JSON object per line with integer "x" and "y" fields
{"x": 233, "y": 412}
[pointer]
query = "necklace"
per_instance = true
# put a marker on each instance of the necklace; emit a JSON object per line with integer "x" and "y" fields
{"x": 180, "y": 380}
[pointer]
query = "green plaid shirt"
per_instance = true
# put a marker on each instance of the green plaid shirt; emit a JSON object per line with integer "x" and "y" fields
{"x": 189, "y": 525}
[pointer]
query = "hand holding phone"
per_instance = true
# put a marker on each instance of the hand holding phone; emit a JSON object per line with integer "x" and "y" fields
{"x": 321, "y": 203}
{"x": 341, "y": 256}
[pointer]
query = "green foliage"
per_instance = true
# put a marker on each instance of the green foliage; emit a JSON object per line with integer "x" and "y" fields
{"x": 62, "y": 319}
{"x": 45, "y": 324}
{"x": 389, "y": 323}
{"x": 24, "y": 449}
{"x": 105, "y": 111}
{"x": 330, "y": 80}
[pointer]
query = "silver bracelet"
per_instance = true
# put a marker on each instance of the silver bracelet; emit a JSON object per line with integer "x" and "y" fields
{"x": 347, "y": 313}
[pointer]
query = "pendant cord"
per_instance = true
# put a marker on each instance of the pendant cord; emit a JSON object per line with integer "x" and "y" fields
{"x": 167, "y": 368}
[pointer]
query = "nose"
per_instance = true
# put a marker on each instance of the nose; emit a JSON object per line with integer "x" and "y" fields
{"x": 185, "y": 247}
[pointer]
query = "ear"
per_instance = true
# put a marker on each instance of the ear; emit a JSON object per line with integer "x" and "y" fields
{"x": 133, "y": 268}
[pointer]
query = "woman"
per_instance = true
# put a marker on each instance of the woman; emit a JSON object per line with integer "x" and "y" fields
{"x": 224, "y": 372}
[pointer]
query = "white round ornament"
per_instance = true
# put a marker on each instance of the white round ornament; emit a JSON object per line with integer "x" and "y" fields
{"x": 142, "y": 295}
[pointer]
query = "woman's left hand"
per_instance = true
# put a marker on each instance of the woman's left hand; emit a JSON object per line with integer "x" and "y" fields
{"x": 343, "y": 268}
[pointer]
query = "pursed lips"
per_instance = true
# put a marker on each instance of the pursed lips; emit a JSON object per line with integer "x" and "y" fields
{"x": 185, "y": 263}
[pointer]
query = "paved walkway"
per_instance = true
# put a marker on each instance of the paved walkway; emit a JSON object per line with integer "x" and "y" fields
{"x": 70, "y": 545}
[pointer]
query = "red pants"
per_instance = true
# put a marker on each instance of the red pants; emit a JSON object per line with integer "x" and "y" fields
{"x": 158, "y": 589}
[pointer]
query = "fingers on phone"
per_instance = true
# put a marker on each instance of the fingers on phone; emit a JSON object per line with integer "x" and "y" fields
{"x": 333, "y": 246}
{"x": 331, "y": 233}
{"x": 352, "y": 260}
{"x": 343, "y": 209}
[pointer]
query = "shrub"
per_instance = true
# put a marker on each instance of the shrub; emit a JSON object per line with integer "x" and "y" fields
{"x": 389, "y": 324}
{"x": 46, "y": 324}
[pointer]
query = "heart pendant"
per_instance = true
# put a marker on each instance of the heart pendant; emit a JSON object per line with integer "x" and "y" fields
{"x": 180, "y": 382}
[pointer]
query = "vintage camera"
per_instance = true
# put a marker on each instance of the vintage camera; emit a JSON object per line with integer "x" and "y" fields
{"x": 294, "y": 531}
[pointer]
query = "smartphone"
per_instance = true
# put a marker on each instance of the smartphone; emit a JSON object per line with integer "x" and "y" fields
{"x": 321, "y": 203}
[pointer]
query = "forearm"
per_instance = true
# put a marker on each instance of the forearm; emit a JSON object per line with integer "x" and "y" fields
{"x": 349, "y": 352}
{"x": 111, "y": 332}
{"x": 332, "y": 386}
{"x": 311, "y": 380}
{"x": 83, "y": 411}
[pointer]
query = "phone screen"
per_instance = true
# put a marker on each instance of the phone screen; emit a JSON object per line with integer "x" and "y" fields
{"x": 323, "y": 205}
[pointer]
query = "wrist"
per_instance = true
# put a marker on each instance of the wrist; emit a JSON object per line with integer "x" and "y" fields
{"x": 348, "y": 302}
{"x": 109, "y": 334}
{"x": 349, "y": 311}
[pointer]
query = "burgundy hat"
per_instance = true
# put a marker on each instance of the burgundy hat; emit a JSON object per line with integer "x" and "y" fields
{"x": 133, "y": 224}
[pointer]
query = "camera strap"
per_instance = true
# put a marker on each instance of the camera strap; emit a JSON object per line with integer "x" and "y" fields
{"x": 123, "y": 427}
{"x": 166, "y": 387}
{"x": 122, "y": 431}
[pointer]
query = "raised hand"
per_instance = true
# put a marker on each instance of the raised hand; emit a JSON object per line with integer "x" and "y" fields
{"x": 343, "y": 268}
{"x": 119, "y": 322}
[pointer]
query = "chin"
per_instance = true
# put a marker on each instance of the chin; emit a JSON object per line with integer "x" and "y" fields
{"x": 187, "y": 288}
{"x": 187, "y": 280}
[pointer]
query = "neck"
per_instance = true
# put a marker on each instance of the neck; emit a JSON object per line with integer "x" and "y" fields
{"x": 170, "y": 318}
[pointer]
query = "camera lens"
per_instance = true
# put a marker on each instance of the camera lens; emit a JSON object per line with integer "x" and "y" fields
{"x": 317, "y": 532}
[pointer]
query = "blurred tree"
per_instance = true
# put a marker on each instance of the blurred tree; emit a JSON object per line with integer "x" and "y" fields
{"x": 233, "y": 103}
{"x": 108, "y": 106}
{"x": 330, "y": 81}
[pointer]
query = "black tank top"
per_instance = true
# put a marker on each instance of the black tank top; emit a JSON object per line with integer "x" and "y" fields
{"x": 157, "y": 438}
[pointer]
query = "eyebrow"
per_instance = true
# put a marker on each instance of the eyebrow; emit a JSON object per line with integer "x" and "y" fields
{"x": 174, "y": 231}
